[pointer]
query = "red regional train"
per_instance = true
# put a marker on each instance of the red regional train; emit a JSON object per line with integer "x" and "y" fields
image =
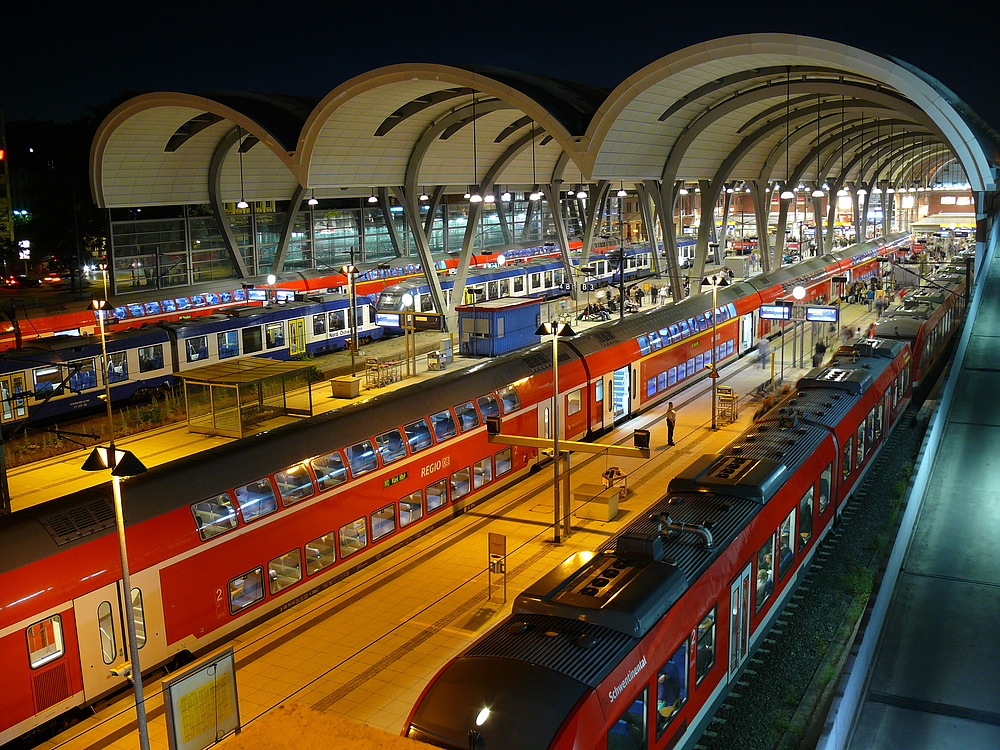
{"x": 225, "y": 538}
{"x": 177, "y": 303}
{"x": 634, "y": 646}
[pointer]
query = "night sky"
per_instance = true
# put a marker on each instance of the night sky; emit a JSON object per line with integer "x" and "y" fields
{"x": 60, "y": 61}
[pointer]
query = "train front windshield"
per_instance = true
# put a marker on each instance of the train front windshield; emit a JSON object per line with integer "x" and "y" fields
{"x": 509, "y": 704}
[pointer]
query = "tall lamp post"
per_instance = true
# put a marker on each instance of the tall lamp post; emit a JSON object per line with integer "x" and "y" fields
{"x": 714, "y": 282}
{"x": 556, "y": 329}
{"x": 122, "y": 464}
{"x": 351, "y": 271}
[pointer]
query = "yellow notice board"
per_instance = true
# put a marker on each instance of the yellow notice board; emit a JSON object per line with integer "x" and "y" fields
{"x": 202, "y": 705}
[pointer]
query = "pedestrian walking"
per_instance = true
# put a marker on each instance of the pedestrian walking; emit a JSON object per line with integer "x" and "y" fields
{"x": 671, "y": 422}
{"x": 819, "y": 353}
{"x": 870, "y": 297}
{"x": 763, "y": 351}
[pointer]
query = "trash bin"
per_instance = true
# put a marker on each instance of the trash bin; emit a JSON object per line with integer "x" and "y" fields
{"x": 445, "y": 353}
{"x": 434, "y": 360}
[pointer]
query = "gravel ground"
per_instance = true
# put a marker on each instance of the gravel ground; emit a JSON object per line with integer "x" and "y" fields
{"x": 770, "y": 705}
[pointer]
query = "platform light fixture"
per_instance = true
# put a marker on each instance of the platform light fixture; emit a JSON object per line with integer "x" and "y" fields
{"x": 621, "y": 191}
{"x": 239, "y": 150}
{"x": 786, "y": 194}
{"x": 373, "y": 198}
{"x": 424, "y": 196}
{"x": 312, "y": 199}
{"x": 474, "y": 196}
{"x": 535, "y": 194}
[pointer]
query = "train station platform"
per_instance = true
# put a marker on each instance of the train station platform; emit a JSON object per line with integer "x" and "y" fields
{"x": 923, "y": 671}
{"x": 364, "y": 648}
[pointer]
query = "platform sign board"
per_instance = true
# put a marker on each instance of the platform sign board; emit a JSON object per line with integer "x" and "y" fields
{"x": 202, "y": 705}
{"x": 775, "y": 312}
{"x": 387, "y": 319}
{"x": 822, "y": 314}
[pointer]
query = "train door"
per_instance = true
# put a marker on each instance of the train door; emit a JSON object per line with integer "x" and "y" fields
{"x": 296, "y": 336}
{"x": 100, "y": 629}
{"x": 617, "y": 395}
{"x": 12, "y": 408}
{"x": 748, "y": 332}
{"x": 545, "y": 420}
{"x": 739, "y": 621}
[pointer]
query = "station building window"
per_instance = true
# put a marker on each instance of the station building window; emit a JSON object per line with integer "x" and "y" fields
{"x": 45, "y": 641}
{"x": 284, "y": 571}
{"x": 320, "y": 553}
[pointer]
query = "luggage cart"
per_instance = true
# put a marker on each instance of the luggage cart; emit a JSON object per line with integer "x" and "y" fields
{"x": 727, "y": 408}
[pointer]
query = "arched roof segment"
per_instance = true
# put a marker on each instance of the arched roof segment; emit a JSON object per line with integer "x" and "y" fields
{"x": 681, "y": 116}
{"x": 366, "y": 132}
{"x": 158, "y": 149}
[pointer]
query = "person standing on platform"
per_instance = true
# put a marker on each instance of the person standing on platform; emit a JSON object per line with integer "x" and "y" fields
{"x": 870, "y": 297}
{"x": 820, "y": 352}
{"x": 763, "y": 350}
{"x": 671, "y": 422}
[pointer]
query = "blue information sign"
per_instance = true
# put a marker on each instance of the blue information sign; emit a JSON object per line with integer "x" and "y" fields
{"x": 775, "y": 312}
{"x": 822, "y": 314}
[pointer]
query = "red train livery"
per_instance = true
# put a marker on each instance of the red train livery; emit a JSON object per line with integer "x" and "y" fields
{"x": 635, "y": 645}
{"x": 223, "y": 539}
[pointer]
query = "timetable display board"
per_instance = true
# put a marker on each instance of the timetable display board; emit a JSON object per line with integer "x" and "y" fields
{"x": 202, "y": 705}
{"x": 822, "y": 314}
{"x": 775, "y": 312}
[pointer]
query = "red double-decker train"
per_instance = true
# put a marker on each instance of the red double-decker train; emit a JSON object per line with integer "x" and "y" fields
{"x": 228, "y": 537}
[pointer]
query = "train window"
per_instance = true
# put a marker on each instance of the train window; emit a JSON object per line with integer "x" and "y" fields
{"x": 256, "y": 499}
{"x": 509, "y": 399}
{"x": 629, "y": 732}
{"x": 106, "y": 628}
{"x": 45, "y": 641}
{"x": 150, "y": 358}
{"x": 246, "y": 589}
{"x": 643, "y": 345}
{"x": 704, "y": 658}
{"x": 482, "y": 472}
{"x": 671, "y": 688}
{"x": 661, "y": 382}
{"x": 684, "y": 328}
{"x": 805, "y": 518}
{"x": 489, "y": 406}
{"x": 329, "y": 471}
{"x": 353, "y": 537}
{"x": 411, "y": 508}
{"x": 870, "y": 429}
{"x": 444, "y": 425}
{"x": 693, "y": 368}
{"x": 599, "y": 391}
{"x": 671, "y": 376}
{"x": 320, "y": 553}
{"x": 681, "y": 371}
{"x": 574, "y": 401}
{"x": 845, "y": 466}
{"x": 786, "y": 545}
{"x": 765, "y": 571}
{"x": 117, "y": 367}
{"x": 390, "y": 446}
{"x": 418, "y": 435}
{"x": 437, "y": 495}
{"x": 275, "y": 333}
{"x": 319, "y": 325}
{"x": 214, "y": 516}
{"x": 425, "y": 302}
{"x": 468, "y": 417}
{"x": 196, "y": 348}
{"x": 228, "y": 344}
{"x": 504, "y": 461}
{"x": 361, "y": 458}
{"x": 861, "y": 445}
{"x": 383, "y": 521}
{"x": 651, "y": 386}
{"x": 338, "y": 320}
{"x": 879, "y": 416}
{"x": 252, "y": 341}
{"x": 139, "y": 617}
{"x": 460, "y": 483}
{"x": 48, "y": 380}
{"x": 825, "y": 480}
{"x": 294, "y": 484}
{"x": 283, "y": 571}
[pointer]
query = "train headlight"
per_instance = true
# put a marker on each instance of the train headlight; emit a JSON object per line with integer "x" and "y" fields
{"x": 407, "y": 300}
{"x": 482, "y": 717}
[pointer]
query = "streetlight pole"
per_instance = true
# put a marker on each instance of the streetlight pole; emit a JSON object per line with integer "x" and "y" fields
{"x": 352, "y": 276}
{"x": 714, "y": 281}
{"x": 556, "y": 329}
{"x": 122, "y": 464}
